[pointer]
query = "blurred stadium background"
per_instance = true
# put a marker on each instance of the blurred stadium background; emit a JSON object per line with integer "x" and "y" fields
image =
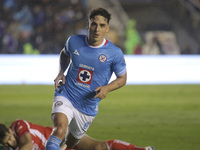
{"x": 137, "y": 26}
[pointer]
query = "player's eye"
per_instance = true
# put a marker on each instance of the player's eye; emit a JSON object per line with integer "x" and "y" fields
{"x": 102, "y": 25}
{"x": 93, "y": 24}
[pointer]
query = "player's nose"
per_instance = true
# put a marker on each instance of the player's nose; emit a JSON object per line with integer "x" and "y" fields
{"x": 97, "y": 28}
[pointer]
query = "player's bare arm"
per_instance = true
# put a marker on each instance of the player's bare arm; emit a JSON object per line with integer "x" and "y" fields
{"x": 115, "y": 84}
{"x": 25, "y": 142}
{"x": 64, "y": 62}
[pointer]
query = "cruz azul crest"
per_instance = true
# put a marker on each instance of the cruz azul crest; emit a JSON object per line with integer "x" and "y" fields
{"x": 85, "y": 76}
{"x": 102, "y": 58}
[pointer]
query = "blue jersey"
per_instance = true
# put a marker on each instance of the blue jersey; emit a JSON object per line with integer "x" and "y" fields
{"x": 90, "y": 68}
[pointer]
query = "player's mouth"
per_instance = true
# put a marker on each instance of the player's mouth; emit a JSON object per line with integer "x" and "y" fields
{"x": 96, "y": 35}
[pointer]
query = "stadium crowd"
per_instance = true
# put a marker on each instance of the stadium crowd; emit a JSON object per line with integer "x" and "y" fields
{"x": 39, "y": 26}
{"x": 42, "y": 27}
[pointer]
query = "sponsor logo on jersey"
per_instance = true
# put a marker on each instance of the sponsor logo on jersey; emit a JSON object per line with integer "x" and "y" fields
{"x": 102, "y": 58}
{"x": 58, "y": 103}
{"x": 85, "y": 76}
{"x": 76, "y": 52}
{"x": 86, "y": 67}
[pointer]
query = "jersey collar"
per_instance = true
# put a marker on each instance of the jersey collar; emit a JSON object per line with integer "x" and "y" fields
{"x": 105, "y": 41}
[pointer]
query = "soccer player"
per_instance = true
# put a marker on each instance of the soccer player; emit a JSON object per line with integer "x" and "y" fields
{"x": 24, "y": 135}
{"x": 91, "y": 59}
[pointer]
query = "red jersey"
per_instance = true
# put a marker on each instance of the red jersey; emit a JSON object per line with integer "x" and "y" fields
{"x": 38, "y": 133}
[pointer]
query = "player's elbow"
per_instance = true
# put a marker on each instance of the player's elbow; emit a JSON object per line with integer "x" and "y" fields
{"x": 123, "y": 79}
{"x": 123, "y": 83}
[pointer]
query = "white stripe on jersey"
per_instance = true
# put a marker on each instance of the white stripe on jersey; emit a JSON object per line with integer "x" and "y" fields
{"x": 35, "y": 133}
{"x": 121, "y": 73}
{"x": 27, "y": 124}
{"x": 39, "y": 135}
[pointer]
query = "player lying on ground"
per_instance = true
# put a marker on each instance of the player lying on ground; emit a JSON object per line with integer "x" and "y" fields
{"x": 23, "y": 135}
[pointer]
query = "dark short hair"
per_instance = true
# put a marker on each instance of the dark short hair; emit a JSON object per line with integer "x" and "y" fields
{"x": 3, "y": 131}
{"x": 102, "y": 12}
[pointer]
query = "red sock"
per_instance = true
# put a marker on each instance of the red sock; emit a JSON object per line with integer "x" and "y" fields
{"x": 121, "y": 145}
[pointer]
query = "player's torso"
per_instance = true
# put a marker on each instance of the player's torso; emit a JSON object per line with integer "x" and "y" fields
{"x": 39, "y": 136}
{"x": 91, "y": 66}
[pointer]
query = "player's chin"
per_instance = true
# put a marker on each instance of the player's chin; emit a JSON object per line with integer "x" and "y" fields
{"x": 14, "y": 145}
{"x": 97, "y": 39}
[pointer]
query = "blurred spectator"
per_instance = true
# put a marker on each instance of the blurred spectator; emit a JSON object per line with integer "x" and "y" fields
{"x": 138, "y": 50}
{"x": 132, "y": 37}
{"x": 39, "y": 15}
{"x": 28, "y": 49}
{"x": 25, "y": 19}
{"x": 186, "y": 50}
{"x": 160, "y": 42}
{"x": 157, "y": 42}
{"x": 150, "y": 47}
{"x": 80, "y": 28}
{"x": 1, "y": 35}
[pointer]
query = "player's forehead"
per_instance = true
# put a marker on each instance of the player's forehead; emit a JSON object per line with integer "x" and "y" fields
{"x": 99, "y": 19}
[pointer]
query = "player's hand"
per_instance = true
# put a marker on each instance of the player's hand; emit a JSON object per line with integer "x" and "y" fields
{"x": 59, "y": 80}
{"x": 101, "y": 92}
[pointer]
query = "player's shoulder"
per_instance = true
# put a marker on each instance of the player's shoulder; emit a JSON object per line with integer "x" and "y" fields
{"x": 19, "y": 123}
{"x": 115, "y": 49}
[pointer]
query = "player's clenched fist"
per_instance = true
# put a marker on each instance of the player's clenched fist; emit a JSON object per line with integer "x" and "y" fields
{"x": 59, "y": 80}
{"x": 101, "y": 92}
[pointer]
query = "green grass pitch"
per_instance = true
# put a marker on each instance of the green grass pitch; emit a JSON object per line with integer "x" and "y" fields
{"x": 164, "y": 116}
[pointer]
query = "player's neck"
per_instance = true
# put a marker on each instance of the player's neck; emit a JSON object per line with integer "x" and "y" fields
{"x": 95, "y": 44}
